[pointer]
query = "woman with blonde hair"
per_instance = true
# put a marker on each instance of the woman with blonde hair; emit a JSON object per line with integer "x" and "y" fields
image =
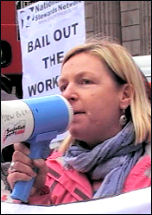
{"x": 107, "y": 151}
{"x": 124, "y": 69}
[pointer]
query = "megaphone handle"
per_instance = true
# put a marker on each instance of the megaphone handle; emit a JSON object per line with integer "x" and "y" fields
{"x": 39, "y": 147}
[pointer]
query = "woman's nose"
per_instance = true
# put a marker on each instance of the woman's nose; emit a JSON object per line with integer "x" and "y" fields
{"x": 70, "y": 92}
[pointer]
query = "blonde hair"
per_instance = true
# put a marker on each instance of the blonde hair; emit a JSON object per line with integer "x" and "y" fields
{"x": 123, "y": 67}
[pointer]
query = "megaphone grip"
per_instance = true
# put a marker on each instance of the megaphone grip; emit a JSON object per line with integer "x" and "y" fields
{"x": 22, "y": 190}
{"x": 39, "y": 147}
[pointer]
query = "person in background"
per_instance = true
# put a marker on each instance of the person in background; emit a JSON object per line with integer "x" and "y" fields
{"x": 107, "y": 151}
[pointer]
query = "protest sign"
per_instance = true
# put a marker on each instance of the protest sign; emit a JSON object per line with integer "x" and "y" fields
{"x": 48, "y": 29}
{"x": 134, "y": 202}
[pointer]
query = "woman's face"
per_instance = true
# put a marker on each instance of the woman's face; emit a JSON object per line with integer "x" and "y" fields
{"x": 95, "y": 97}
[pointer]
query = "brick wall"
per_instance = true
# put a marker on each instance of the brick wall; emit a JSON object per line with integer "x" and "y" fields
{"x": 129, "y": 22}
{"x": 103, "y": 18}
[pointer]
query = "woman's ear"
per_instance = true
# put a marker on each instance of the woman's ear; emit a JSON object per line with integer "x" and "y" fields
{"x": 126, "y": 95}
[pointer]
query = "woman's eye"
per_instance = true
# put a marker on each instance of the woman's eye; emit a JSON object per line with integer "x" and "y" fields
{"x": 86, "y": 81}
{"x": 62, "y": 88}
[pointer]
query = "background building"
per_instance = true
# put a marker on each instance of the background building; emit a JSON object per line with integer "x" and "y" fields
{"x": 127, "y": 21}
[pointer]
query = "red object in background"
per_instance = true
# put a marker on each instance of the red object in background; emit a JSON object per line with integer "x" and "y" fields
{"x": 10, "y": 44}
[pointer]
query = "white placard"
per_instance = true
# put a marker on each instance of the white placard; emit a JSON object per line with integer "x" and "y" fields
{"x": 48, "y": 29}
{"x": 134, "y": 202}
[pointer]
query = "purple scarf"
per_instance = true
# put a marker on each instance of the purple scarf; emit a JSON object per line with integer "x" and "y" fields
{"x": 110, "y": 161}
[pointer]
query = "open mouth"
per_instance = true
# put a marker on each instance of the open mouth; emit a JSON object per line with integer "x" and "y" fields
{"x": 78, "y": 112}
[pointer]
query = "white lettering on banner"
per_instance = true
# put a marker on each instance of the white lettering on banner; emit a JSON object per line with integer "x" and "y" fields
{"x": 43, "y": 6}
{"x": 42, "y": 16}
{"x": 41, "y": 86}
{"x": 63, "y": 6}
{"x": 67, "y": 5}
{"x": 53, "y": 59}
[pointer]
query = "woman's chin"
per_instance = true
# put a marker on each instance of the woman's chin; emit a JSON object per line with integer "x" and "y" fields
{"x": 74, "y": 133}
{"x": 77, "y": 133}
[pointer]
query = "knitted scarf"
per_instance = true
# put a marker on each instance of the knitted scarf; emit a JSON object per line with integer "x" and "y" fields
{"x": 109, "y": 161}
